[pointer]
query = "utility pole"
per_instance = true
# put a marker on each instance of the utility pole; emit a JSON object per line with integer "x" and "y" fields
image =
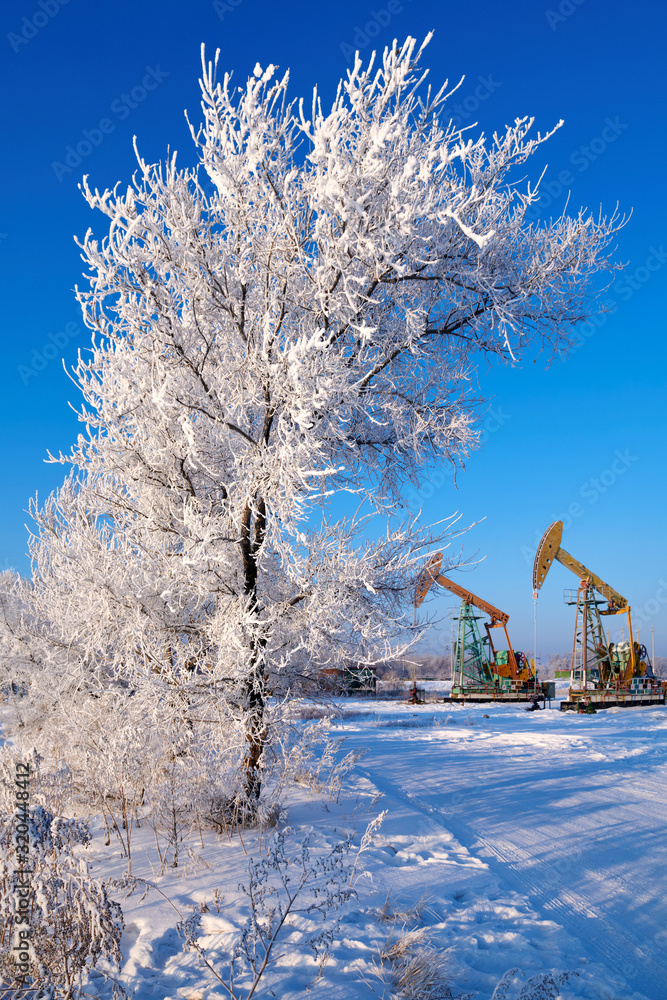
{"x": 584, "y": 640}
{"x": 535, "y": 632}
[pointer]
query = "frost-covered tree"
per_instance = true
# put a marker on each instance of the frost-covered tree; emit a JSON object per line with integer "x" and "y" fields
{"x": 293, "y": 321}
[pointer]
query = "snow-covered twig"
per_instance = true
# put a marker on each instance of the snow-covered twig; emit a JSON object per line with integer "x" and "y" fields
{"x": 281, "y": 884}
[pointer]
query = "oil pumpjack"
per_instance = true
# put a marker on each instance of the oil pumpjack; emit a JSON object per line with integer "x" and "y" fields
{"x": 481, "y": 672}
{"x": 602, "y": 673}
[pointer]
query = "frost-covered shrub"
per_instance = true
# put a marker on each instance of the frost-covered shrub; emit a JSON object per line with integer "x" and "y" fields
{"x": 310, "y": 757}
{"x": 288, "y": 880}
{"x": 53, "y": 834}
{"x": 71, "y": 921}
{"x": 407, "y": 963}
{"x": 543, "y": 986}
{"x": 415, "y": 971}
{"x": 193, "y": 785}
{"x": 50, "y": 786}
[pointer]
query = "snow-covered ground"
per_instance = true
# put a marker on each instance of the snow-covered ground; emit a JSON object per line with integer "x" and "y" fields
{"x": 537, "y": 838}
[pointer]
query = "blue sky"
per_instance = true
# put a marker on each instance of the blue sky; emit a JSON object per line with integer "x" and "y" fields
{"x": 582, "y": 439}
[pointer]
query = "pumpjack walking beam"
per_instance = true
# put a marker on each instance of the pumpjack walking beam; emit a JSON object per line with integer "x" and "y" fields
{"x": 431, "y": 574}
{"x": 550, "y": 549}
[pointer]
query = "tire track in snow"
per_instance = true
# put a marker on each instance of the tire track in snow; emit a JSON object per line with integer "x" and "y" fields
{"x": 541, "y": 886}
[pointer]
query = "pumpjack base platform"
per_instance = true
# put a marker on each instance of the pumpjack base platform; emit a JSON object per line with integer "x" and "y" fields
{"x": 612, "y": 699}
{"x": 490, "y": 696}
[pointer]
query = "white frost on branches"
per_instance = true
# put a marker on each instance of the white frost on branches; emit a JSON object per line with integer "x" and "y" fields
{"x": 291, "y": 324}
{"x": 72, "y": 922}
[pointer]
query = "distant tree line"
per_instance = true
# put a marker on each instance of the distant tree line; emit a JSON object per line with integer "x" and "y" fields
{"x": 437, "y": 666}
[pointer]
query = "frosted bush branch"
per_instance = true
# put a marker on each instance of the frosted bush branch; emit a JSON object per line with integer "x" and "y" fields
{"x": 73, "y": 923}
{"x": 283, "y": 883}
{"x": 543, "y": 986}
{"x": 367, "y": 840}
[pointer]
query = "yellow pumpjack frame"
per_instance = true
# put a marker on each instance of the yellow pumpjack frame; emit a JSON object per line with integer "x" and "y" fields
{"x": 550, "y": 550}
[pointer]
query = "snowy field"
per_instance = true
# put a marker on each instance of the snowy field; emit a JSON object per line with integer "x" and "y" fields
{"x": 536, "y": 840}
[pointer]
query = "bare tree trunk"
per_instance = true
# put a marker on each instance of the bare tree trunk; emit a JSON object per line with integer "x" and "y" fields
{"x": 255, "y": 686}
{"x": 256, "y": 733}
